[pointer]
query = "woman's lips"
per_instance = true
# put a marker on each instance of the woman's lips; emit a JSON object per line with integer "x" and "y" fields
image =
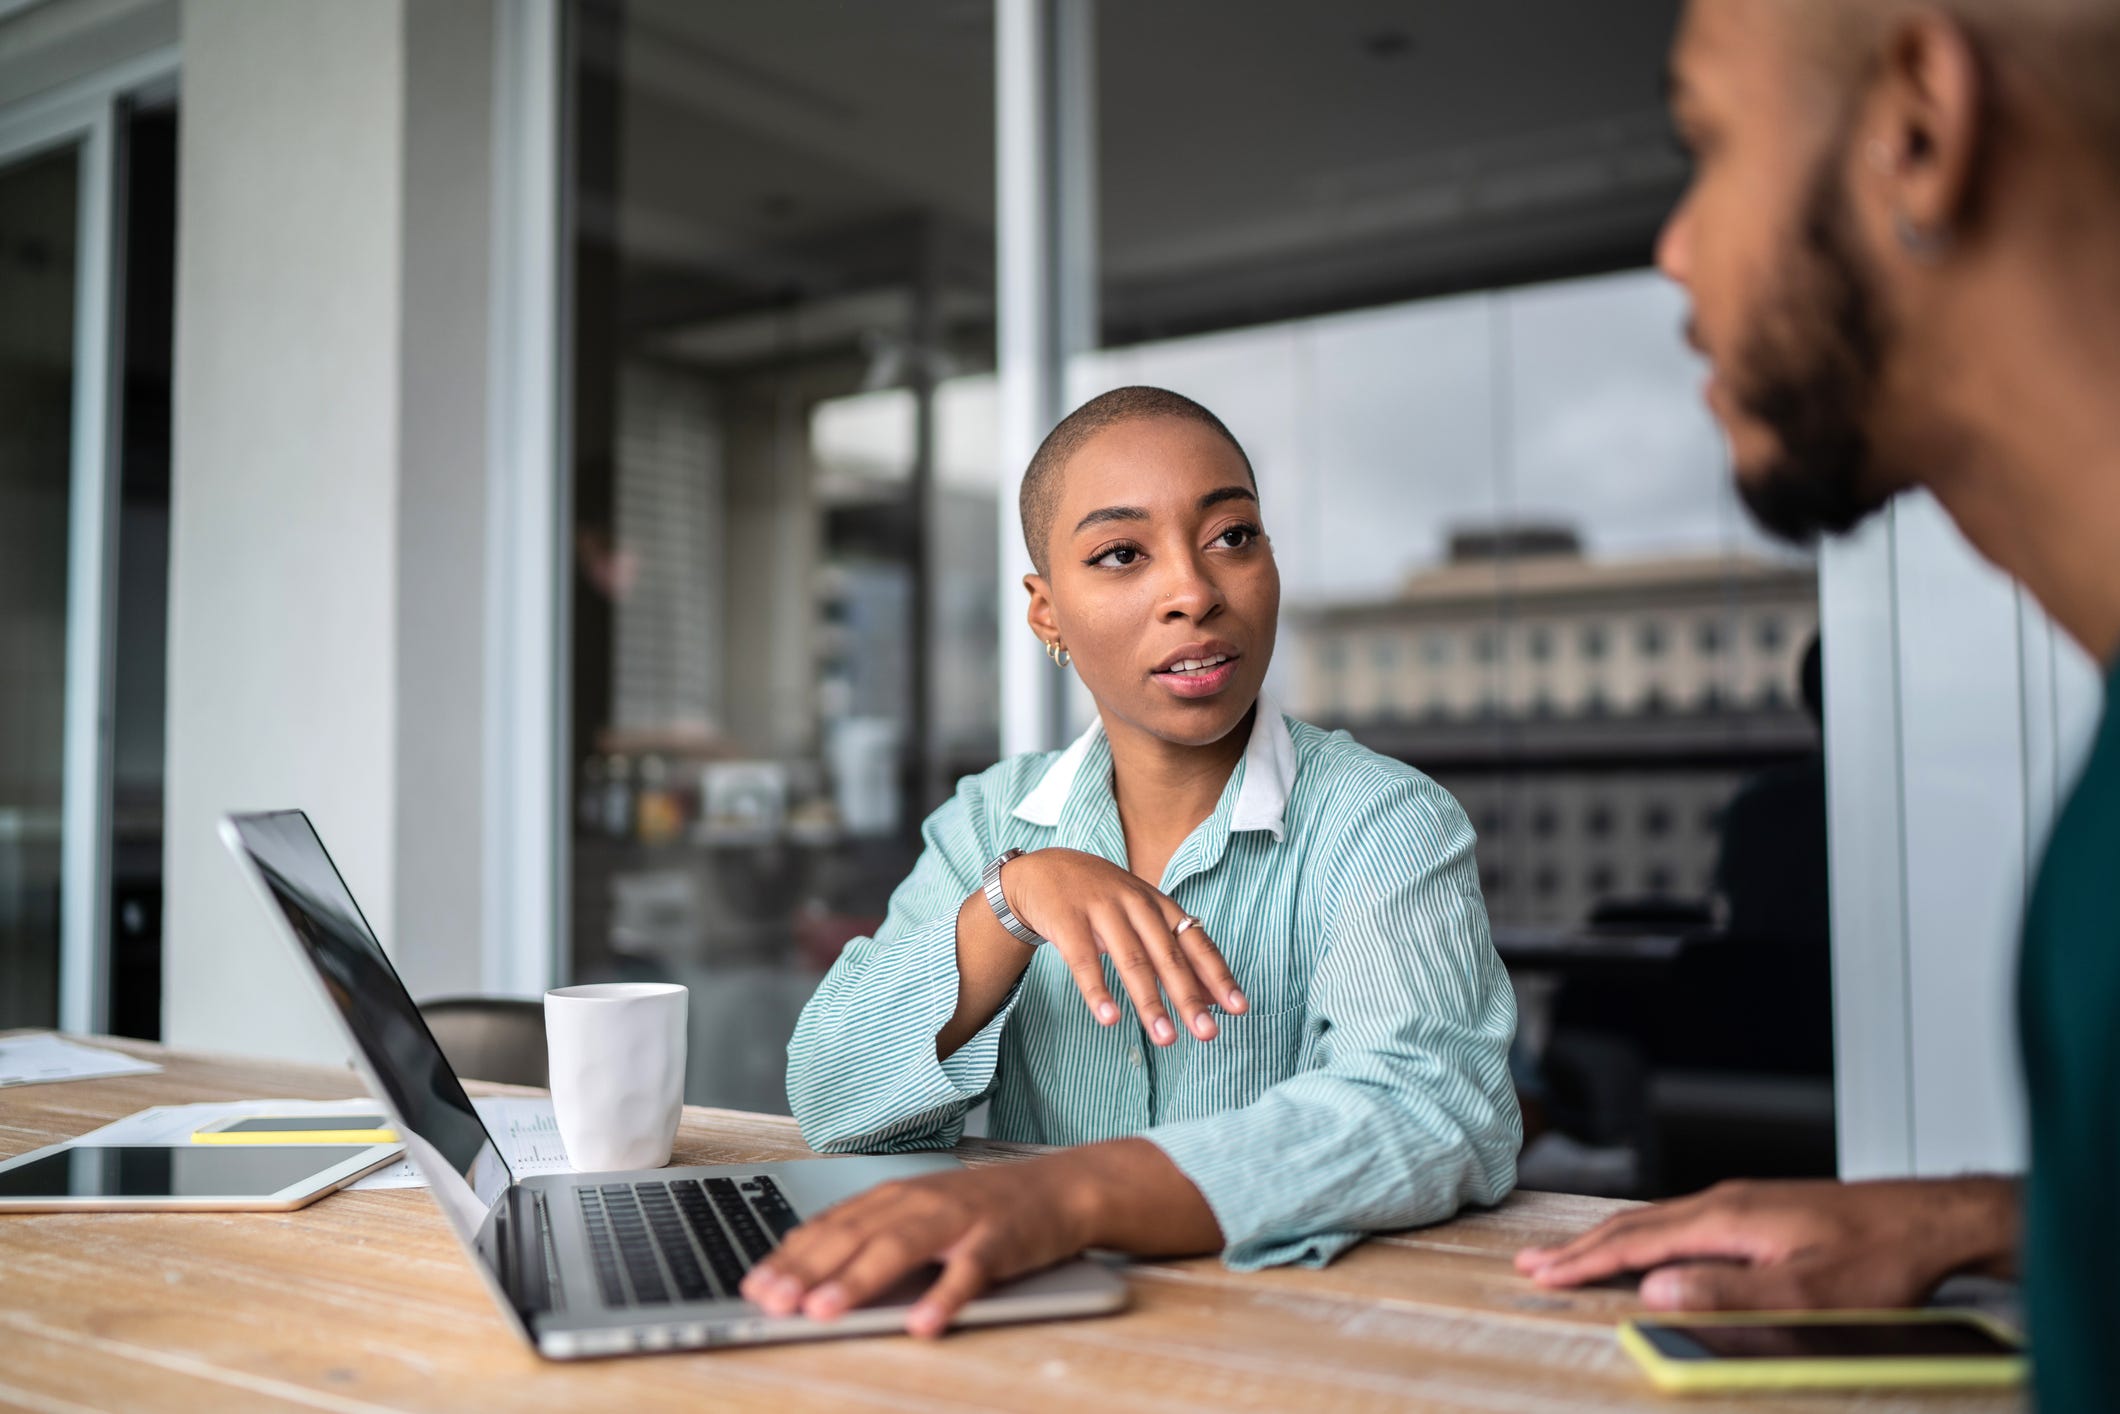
{"x": 1200, "y": 682}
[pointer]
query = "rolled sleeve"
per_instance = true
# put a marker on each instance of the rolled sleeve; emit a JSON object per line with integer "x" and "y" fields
{"x": 1403, "y": 1112}
{"x": 862, "y": 1072}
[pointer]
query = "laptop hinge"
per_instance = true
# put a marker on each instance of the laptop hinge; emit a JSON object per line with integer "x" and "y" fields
{"x": 525, "y": 1244}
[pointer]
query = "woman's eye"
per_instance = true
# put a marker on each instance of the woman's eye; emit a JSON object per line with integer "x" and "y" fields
{"x": 1237, "y": 537}
{"x": 1118, "y": 557}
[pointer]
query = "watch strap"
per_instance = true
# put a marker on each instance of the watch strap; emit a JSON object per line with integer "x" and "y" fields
{"x": 990, "y": 885}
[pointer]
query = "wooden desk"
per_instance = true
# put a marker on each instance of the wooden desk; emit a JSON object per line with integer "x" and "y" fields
{"x": 363, "y": 1302}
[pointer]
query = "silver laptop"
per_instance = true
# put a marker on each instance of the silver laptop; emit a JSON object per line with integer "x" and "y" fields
{"x": 604, "y": 1263}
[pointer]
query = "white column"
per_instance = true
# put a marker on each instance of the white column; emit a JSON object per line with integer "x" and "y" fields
{"x": 283, "y": 534}
{"x": 328, "y": 583}
{"x": 525, "y": 867}
{"x": 1045, "y": 155}
{"x": 442, "y": 833}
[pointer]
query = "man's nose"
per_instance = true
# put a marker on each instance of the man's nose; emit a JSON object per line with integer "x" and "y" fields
{"x": 1674, "y": 243}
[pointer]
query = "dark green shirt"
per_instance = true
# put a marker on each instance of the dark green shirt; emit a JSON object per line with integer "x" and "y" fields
{"x": 2069, "y": 1014}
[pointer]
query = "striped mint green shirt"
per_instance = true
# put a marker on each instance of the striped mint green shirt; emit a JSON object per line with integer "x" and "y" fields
{"x": 1367, "y": 1087}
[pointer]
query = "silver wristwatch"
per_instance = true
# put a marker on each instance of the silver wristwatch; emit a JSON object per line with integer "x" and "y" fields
{"x": 990, "y": 882}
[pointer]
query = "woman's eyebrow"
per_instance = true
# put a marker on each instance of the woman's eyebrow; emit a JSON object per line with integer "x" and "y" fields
{"x": 1110, "y": 513}
{"x": 1210, "y": 500}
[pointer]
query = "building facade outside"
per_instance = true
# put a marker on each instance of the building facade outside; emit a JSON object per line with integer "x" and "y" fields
{"x": 1593, "y": 716}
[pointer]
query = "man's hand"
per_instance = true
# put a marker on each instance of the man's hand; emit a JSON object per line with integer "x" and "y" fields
{"x": 1793, "y": 1246}
{"x": 982, "y": 1226}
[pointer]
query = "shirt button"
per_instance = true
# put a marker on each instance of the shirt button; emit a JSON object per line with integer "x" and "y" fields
{"x": 1133, "y": 1057}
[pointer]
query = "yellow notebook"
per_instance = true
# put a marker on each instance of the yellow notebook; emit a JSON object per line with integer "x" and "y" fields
{"x": 298, "y": 1129}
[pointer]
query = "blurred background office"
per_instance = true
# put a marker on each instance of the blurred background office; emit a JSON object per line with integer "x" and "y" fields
{"x": 571, "y": 449}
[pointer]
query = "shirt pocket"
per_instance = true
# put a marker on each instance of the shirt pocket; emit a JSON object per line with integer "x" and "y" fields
{"x": 1250, "y": 1055}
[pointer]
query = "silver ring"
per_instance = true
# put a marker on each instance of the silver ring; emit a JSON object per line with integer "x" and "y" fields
{"x": 1190, "y": 922}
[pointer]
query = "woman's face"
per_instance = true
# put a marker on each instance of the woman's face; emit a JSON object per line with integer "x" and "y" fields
{"x": 1163, "y": 584}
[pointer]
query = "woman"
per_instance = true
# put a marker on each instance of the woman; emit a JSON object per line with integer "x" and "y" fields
{"x": 1305, "y": 912}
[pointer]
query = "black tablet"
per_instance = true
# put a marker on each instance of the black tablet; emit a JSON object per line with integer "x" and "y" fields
{"x": 183, "y": 1177}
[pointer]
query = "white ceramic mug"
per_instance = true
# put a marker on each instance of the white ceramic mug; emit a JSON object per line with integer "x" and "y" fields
{"x": 617, "y": 1052}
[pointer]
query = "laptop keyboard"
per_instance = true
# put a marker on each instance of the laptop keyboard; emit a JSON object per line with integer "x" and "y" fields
{"x": 687, "y": 1240}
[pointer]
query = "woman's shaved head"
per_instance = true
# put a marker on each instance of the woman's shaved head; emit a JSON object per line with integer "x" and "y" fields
{"x": 1040, "y": 496}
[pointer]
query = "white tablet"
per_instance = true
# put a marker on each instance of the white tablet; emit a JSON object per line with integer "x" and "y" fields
{"x": 76, "y": 1176}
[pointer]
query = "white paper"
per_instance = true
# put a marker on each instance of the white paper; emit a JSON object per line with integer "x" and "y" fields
{"x": 526, "y": 1131}
{"x": 523, "y": 1128}
{"x": 36, "y": 1060}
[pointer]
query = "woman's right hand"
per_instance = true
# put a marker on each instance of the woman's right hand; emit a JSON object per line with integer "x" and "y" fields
{"x": 1085, "y": 907}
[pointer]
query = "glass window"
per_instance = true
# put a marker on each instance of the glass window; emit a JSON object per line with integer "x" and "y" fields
{"x": 786, "y": 489}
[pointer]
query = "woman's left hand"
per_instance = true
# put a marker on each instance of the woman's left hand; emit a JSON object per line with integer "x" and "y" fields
{"x": 981, "y": 1225}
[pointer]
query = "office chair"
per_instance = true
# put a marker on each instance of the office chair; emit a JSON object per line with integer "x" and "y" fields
{"x": 491, "y": 1038}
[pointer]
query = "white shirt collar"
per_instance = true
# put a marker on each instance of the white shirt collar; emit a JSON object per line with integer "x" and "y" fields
{"x": 1262, "y": 801}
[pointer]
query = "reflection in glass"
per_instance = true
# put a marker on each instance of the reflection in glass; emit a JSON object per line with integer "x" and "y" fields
{"x": 38, "y": 248}
{"x": 785, "y": 554}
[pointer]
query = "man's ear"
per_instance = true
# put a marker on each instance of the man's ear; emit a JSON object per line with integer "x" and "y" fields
{"x": 1040, "y": 614}
{"x": 1929, "y": 120}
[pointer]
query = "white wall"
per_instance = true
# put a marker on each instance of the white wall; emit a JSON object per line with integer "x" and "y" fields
{"x": 325, "y": 580}
{"x": 1956, "y": 717}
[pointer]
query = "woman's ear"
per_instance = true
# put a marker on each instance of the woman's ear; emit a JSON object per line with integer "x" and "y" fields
{"x": 1040, "y": 615}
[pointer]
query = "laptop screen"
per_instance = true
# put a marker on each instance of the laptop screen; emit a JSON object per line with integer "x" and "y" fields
{"x": 442, "y": 1132}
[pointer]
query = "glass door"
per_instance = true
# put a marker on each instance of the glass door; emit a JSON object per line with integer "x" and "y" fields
{"x": 87, "y": 242}
{"x": 39, "y": 276}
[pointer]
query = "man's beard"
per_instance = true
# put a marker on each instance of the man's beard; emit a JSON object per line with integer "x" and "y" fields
{"x": 1809, "y": 374}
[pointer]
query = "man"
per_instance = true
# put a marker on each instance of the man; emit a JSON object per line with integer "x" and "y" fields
{"x": 1902, "y": 248}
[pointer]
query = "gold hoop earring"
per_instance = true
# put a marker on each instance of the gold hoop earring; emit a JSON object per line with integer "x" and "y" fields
{"x": 1060, "y": 656}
